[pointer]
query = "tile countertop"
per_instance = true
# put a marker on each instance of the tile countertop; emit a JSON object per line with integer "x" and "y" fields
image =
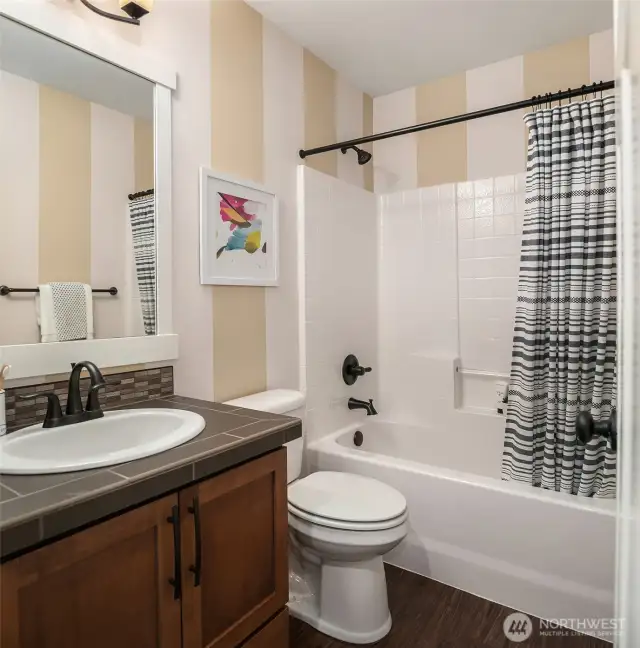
{"x": 38, "y": 508}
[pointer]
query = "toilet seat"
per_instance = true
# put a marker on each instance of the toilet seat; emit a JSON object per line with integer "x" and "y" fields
{"x": 347, "y": 525}
{"x": 346, "y": 501}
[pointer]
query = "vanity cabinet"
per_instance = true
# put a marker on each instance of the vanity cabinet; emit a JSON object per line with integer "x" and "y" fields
{"x": 203, "y": 568}
{"x": 237, "y": 522}
{"x": 103, "y": 587}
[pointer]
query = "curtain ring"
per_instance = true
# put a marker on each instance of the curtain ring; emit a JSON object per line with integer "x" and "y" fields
{"x": 570, "y": 98}
{"x": 584, "y": 91}
{"x": 601, "y": 84}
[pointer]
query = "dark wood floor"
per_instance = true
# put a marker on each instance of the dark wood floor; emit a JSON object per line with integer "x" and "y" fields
{"x": 428, "y": 614}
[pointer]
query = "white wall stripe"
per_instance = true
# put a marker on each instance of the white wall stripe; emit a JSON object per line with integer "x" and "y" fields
{"x": 395, "y": 160}
{"x": 495, "y": 145}
{"x": 283, "y": 137}
{"x": 19, "y": 199}
{"x": 184, "y": 37}
{"x": 349, "y": 121}
{"x": 112, "y": 179}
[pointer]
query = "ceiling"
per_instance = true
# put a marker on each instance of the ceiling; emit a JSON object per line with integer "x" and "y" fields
{"x": 32, "y": 55}
{"x": 386, "y": 45}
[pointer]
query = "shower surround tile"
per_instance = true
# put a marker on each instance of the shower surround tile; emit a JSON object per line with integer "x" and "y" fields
{"x": 450, "y": 293}
{"x": 488, "y": 267}
{"x": 340, "y": 303}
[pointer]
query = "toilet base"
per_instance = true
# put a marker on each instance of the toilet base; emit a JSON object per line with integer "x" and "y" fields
{"x": 348, "y": 601}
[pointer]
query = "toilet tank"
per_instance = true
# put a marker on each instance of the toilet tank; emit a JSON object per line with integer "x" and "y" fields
{"x": 279, "y": 401}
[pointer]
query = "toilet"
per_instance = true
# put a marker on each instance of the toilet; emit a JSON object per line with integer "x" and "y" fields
{"x": 340, "y": 526}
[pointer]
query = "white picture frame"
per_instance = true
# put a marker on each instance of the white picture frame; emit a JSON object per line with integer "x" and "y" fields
{"x": 239, "y": 241}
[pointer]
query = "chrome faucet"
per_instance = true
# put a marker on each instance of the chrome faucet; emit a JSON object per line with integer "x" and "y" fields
{"x": 355, "y": 403}
{"x": 74, "y": 412}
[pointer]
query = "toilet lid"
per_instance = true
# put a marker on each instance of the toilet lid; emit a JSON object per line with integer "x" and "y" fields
{"x": 346, "y": 497}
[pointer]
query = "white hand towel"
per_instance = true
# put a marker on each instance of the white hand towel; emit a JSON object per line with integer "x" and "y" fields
{"x": 65, "y": 312}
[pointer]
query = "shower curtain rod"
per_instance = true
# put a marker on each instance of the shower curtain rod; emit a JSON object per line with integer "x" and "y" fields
{"x": 538, "y": 100}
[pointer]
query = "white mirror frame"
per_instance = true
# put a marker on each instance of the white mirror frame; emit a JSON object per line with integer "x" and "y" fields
{"x": 31, "y": 360}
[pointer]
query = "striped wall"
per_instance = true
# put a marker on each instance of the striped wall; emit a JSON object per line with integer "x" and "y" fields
{"x": 489, "y": 147}
{"x": 67, "y": 167}
{"x": 283, "y": 99}
{"x": 248, "y": 99}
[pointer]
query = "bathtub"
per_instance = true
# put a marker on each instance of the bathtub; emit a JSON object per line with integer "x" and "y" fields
{"x": 544, "y": 553}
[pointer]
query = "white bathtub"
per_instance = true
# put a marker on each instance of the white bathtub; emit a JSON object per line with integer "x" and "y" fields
{"x": 544, "y": 553}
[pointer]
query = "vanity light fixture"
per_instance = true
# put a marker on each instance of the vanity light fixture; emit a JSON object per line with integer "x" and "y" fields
{"x": 134, "y": 8}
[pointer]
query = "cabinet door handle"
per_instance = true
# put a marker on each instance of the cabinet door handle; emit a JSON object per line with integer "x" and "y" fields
{"x": 196, "y": 569}
{"x": 176, "y": 581}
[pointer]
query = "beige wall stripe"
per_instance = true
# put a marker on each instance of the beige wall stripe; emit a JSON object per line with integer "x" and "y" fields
{"x": 143, "y": 154}
{"x": 239, "y": 341}
{"x": 557, "y": 68}
{"x": 237, "y": 148}
{"x": 320, "y": 112}
{"x": 367, "y": 129}
{"x": 442, "y": 152}
{"x": 65, "y": 187}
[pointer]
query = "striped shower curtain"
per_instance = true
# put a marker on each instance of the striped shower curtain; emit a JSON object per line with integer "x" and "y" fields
{"x": 564, "y": 345}
{"x": 143, "y": 229}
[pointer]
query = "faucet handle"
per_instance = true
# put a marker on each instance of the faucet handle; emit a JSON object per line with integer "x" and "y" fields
{"x": 93, "y": 404}
{"x": 54, "y": 411}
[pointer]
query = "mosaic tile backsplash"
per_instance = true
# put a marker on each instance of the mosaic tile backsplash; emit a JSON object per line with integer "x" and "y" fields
{"x": 121, "y": 389}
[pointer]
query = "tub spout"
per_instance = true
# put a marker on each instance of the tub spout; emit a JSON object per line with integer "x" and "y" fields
{"x": 355, "y": 403}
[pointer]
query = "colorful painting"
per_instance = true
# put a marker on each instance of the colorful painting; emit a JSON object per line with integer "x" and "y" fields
{"x": 245, "y": 224}
{"x": 238, "y": 232}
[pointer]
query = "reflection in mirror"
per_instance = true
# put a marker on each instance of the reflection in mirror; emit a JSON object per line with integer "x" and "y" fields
{"x": 76, "y": 200}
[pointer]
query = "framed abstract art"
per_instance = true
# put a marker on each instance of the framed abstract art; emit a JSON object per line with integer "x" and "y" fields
{"x": 238, "y": 232}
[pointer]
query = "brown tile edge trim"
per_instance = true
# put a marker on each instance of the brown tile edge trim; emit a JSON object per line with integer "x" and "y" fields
{"x": 31, "y": 534}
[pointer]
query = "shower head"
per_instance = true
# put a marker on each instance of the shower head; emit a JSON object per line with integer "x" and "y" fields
{"x": 363, "y": 156}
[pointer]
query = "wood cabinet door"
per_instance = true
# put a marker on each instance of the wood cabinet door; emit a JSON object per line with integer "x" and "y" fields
{"x": 234, "y": 533}
{"x": 274, "y": 635}
{"x": 105, "y": 587}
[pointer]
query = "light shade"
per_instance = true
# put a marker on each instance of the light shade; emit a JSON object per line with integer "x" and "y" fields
{"x": 136, "y": 8}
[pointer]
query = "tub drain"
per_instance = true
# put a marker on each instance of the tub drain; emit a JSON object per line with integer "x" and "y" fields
{"x": 358, "y": 438}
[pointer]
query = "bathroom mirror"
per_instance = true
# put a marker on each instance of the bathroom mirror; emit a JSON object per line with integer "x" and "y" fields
{"x": 77, "y": 203}
{"x": 91, "y": 71}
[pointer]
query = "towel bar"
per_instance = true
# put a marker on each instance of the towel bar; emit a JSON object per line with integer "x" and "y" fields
{"x": 5, "y": 290}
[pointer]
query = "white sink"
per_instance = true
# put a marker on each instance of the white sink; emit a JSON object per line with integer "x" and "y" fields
{"x": 118, "y": 437}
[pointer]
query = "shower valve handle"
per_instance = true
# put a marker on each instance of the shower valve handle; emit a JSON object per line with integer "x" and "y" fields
{"x": 351, "y": 369}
